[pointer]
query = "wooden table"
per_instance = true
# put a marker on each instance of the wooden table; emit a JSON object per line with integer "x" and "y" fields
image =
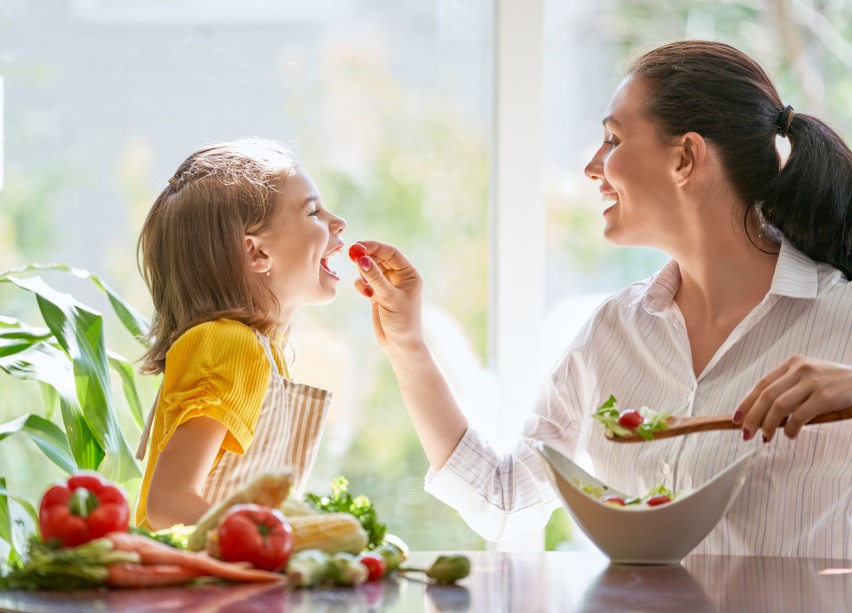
{"x": 507, "y": 582}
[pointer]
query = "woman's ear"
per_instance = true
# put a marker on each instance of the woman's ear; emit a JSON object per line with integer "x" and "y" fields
{"x": 691, "y": 156}
{"x": 258, "y": 260}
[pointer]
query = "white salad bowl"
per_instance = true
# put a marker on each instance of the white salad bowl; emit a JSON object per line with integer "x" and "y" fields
{"x": 662, "y": 534}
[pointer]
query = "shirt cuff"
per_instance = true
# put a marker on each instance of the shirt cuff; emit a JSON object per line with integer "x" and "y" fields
{"x": 462, "y": 482}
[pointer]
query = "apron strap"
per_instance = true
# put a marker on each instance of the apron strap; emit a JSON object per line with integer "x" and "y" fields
{"x": 267, "y": 348}
{"x": 146, "y": 433}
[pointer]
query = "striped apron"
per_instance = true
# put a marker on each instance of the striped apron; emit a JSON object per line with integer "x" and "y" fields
{"x": 287, "y": 433}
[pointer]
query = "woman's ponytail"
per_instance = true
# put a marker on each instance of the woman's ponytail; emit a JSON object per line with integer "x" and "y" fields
{"x": 810, "y": 200}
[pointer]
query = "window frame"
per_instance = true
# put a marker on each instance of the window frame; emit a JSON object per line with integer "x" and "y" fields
{"x": 517, "y": 233}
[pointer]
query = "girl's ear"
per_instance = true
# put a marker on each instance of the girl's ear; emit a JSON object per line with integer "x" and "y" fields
{"x": 691, "y": 155}
{"x": 258, "y": 260}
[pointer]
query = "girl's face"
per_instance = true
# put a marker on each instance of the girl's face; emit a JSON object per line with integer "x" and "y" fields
{"x": 636, "y": 173}
{"x": 296, "y": 246}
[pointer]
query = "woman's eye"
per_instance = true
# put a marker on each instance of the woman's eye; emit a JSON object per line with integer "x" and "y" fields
{"x": 611, "y": 142}
{"x": 313, "y": 213}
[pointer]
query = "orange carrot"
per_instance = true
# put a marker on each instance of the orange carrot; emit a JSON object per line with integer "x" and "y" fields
{"x": 157, "y": 575}
{"x": 152, "y": 552}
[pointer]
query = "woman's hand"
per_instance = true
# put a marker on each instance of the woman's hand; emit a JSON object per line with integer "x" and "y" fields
{"x": 800, "y": 389}
{"x": 395, "y": 288}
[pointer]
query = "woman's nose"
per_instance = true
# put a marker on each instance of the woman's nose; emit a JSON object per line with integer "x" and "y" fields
{"x": 594, "y": 169}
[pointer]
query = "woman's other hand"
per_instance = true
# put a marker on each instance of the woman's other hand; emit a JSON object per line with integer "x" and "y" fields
{"x": 395, "y": 290}
{"x": 800, "y": 389}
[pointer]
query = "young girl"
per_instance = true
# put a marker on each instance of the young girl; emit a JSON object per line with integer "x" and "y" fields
{"x": 234, "y": 245}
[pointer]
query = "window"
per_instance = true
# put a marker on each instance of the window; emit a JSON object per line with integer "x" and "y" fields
{"x": 457, "y": 130}
{"x": 387, "y": 105}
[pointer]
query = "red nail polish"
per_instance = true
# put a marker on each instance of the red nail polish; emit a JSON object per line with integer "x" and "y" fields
{"x": 746, "y": 435}
{"x": 765, "y": 439}
{"x": 365, "y": 263}
{"x": 368, "y": 292}
{"x": 738, "y": 417}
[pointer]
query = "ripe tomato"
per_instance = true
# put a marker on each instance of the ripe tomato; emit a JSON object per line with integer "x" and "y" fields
{"x": 255, "y": 534}
{"x": 83, "y": 508}
{"x": 630, "y": 419}
{"x": 657, "y": 500}
{"x": 375, "y": 564}
{"x": 616, "y": 500}
{"x": 357, "y": 251}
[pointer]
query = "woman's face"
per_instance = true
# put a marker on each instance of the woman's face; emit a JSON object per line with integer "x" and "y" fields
{"x": 636, "y": 173}
{"x": 297, "y": 244}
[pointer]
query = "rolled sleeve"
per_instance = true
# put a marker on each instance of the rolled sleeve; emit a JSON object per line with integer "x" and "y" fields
{"x": 497, "y": 496}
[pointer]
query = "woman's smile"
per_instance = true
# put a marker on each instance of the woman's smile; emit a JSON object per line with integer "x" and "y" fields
{"x": 609, "y": 198}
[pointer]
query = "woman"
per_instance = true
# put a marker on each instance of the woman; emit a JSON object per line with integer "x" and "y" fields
{"x": 761, "y": 253}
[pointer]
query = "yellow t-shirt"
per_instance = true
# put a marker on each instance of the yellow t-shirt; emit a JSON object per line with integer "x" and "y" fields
{"x": 217, "y": 369}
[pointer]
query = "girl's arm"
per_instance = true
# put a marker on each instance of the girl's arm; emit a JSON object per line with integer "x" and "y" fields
{"x": 182, "y": 467}
{"x": 394, "y": 287}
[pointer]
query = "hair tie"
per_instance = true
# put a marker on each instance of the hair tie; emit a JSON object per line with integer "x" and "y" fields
{"x": 785, "y": 118}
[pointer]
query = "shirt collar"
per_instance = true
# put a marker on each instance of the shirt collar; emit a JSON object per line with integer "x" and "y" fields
{"x": 796, "y": 276}
{"x": 662, "y": 288}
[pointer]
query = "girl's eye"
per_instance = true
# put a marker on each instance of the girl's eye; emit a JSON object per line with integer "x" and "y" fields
{"x": 313, "y": 213}
{"x": 611, "y": 142}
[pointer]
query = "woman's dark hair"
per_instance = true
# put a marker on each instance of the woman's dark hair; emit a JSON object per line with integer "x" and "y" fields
{"x": 721, "y": 93}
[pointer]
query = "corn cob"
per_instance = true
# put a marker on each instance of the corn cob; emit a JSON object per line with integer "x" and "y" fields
{"x": 293, "y": 507}
{"x": 329, "y": 532}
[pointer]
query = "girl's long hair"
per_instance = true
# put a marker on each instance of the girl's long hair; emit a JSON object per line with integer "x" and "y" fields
{"x": 191, "y": 250}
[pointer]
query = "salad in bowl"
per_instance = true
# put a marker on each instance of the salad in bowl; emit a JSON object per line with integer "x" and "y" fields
{"x": 660, "y": 527}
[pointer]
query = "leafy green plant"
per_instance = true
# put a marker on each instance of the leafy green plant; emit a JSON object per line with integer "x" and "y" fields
{"x": 340, "y": 500}
{"x": 69, "y": 360}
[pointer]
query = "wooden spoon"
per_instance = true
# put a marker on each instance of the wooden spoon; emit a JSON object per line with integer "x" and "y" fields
{"x": 702, "y": 423}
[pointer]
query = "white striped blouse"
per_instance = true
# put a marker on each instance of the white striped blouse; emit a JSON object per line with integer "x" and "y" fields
{"x": 797, "y": 500}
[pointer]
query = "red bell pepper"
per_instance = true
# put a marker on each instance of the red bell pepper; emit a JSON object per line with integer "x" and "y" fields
{"x": 83, "y": 508}
{"x": 255, "y": 534}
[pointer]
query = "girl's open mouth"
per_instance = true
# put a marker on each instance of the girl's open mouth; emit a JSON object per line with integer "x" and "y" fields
{"x": 324, "y": 260}
{"x": 325, "y": 267}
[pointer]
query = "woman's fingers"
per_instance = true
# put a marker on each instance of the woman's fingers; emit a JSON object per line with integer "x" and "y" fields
{"x": 362, "y": 288}
{"x": 799, "y": 389}
{"x": 389, "y": 257}
{"x": 780, "y": 400}
{"x": 772, "y": 399}
{"x": 388, "y": 273}
{"x": 747, "y": 404}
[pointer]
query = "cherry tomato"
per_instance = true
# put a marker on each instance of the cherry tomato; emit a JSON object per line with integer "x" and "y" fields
{"x": 616, "y": 500}
{"x": 657, "y": 500}
{"x": 630, "y": 419}
{"x": 255, "y": 534}
{"x": 375, "y": 563}
{"x": 357, "y": 251}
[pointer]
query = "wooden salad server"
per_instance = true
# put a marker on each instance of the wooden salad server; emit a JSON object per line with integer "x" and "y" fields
{"x": 701, "y": 423}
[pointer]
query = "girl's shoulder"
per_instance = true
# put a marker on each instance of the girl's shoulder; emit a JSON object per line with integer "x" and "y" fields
{"x": 219, "y": 329}
{"x": 220, "y": 338}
